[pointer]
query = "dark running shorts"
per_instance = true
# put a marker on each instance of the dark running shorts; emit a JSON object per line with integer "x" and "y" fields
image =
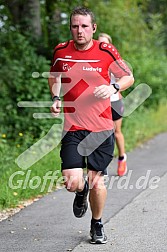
{"x": 117, "y": 109}
{"x": 81, "y": 149}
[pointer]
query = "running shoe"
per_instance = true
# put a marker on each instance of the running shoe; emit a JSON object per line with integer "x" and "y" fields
{"x": 80, "y": 204}
{"x": 122, "y": 166}
{"x": 97, "y": 234}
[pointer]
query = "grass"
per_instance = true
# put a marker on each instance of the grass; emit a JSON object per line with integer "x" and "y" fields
{"x": 17, "y": 184}
{"x": 142, "y": 125}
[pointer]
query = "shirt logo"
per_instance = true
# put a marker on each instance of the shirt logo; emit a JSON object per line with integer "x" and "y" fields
{"x": 92, "y": 69}
{"x": 66, "y": 67}
{"x": 68, "y": 56}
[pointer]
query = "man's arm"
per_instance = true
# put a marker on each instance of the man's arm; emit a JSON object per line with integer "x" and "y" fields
{"x": 125, "y": 82}
{"x": 121, "y": 72}
{"x": 55, "y": 86}
{"x": 105, "y": 91}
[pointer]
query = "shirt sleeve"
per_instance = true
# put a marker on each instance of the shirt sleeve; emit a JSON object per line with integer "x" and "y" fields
{"x": 118, "y": 67}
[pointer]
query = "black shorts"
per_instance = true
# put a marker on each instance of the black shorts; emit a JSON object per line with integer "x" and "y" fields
{"x": 81, "y": 149}
{"x": 117, "y": 108}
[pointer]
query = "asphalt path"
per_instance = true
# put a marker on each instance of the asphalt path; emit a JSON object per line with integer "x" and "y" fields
{"x": 135, "y": 215}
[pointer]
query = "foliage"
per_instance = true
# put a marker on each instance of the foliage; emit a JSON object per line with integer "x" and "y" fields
{"x": 143, "y": 124}
{"x": 19, "y": 61}
{"x": 17, "y": 184}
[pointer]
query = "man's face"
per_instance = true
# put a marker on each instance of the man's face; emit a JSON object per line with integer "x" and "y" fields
{"x": 82, "y": 29}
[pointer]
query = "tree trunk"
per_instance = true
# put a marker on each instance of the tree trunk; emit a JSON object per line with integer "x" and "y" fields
{"x": 26, "y": 14}
{"x": 32, "y": 17}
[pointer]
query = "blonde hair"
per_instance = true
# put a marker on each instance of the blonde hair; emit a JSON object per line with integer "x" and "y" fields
{"x": 106, "y": 36}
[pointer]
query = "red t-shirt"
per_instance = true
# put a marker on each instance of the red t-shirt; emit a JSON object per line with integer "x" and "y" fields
{"x": 81, "y": 72}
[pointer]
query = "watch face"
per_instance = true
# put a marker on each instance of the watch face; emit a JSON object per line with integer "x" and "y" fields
{"x": 116, "y": 86}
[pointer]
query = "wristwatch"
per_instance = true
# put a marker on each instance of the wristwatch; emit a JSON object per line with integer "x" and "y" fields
{"x": 116, "y": 86}
{"x": 55, "y": 98}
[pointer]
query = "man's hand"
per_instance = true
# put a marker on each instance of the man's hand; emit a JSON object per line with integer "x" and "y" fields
{"x": 55, "y": 109}
{"x": 104, "y": 91}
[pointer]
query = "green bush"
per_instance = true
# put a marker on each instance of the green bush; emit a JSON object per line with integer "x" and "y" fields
{"x": 19, "y": 60}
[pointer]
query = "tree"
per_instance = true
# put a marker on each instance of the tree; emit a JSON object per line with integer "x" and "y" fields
{"x": 25, "y": 14}
{"x": 156, "y": 8}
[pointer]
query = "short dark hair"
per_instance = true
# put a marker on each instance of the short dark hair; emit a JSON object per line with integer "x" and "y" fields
{"x": 83, "y": 11}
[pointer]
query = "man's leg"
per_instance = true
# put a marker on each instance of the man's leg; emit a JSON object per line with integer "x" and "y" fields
{"x": 98, "y": 193}
{"x": 97, "y": 198}
{"x": 75, "y": 182}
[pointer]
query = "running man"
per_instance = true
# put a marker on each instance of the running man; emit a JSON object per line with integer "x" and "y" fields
{"x": 80, "y": 69}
